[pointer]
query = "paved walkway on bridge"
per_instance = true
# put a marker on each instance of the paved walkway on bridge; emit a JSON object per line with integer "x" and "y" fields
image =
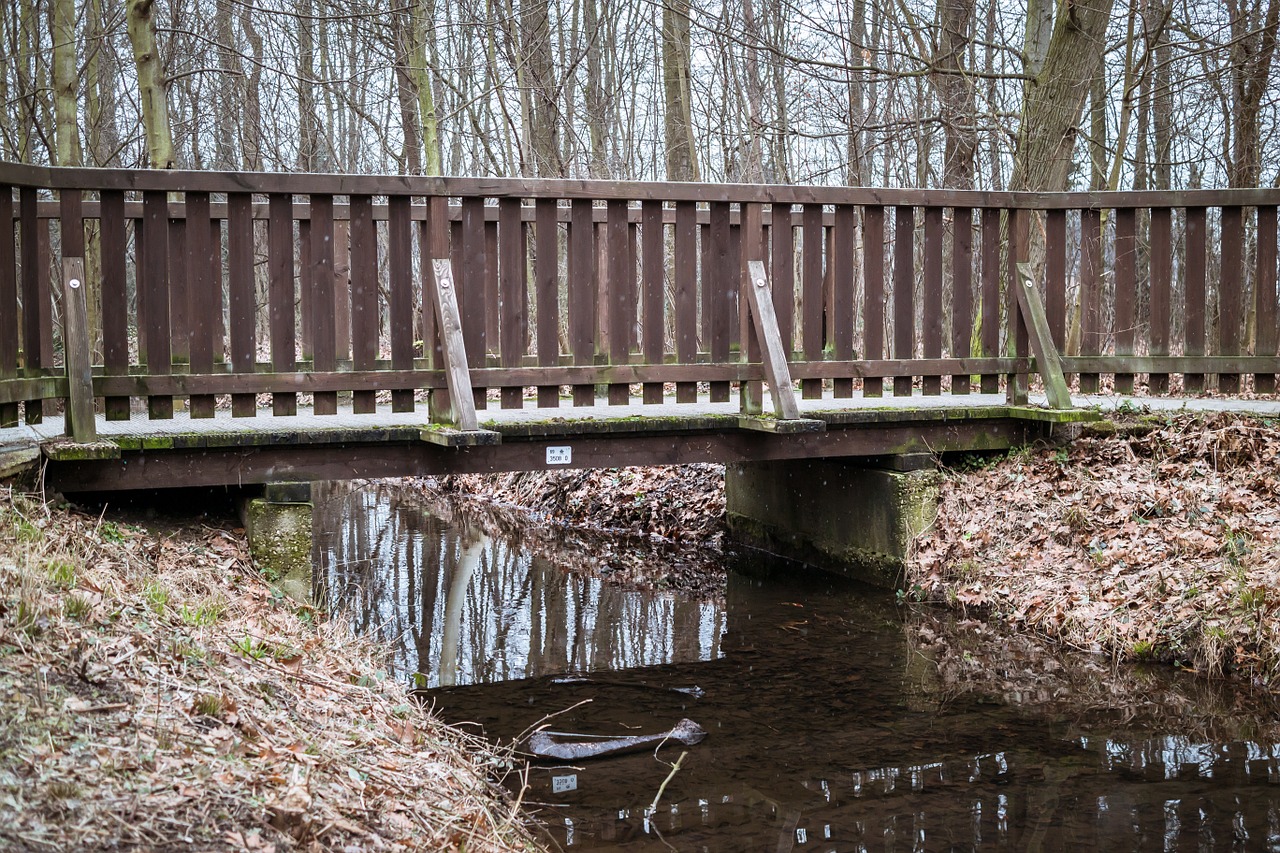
{"x": 19, "y": 445}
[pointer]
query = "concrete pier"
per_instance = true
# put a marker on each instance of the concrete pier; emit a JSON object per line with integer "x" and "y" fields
{"x": 853, "y": 517}
{"x": 278, "y": 526}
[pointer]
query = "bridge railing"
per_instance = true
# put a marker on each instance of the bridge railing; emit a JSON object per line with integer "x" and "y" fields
{"x": 214, "y": 288}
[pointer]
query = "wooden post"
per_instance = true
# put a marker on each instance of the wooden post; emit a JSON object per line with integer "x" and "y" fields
{"x": 79, "y": 358}
{"x": 449, "y": 322}
{"x": 1047, "y": 360}
{"x": 773, "y": 353}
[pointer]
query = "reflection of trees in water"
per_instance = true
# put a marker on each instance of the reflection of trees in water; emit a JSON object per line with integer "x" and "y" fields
{"x": 460, "y": 606}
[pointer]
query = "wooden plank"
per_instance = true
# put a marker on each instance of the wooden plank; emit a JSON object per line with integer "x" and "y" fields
{"x": 1161, "y": 253}
{"x": 844, "y": 237}
{"x": 78, "y": 351}
{"x": 242, "y": 302}
{"x": 1200, "y": 364}
{"x": 961, "y": 292}
{"x": 685, "y": 306}
{"x": 1194, "y": 288}
{"x": 990, "y": 337}
{"x": 492, "y": 288}
{"x": 323, "y": 321}
{"x": 1231, "y": 293}
{"x": 718, "y": 279}
{"x": 1126, "y": 286}
{"x": 179, "y": 293}
{"x": 782, "y": 271}
{"x": 435, "y": 241}
{"x": 621, "y": 290}
{"x": 547, "y": 292}
{"x": 1091, "y": 333}
{"x": 1017, "y": 384}
{"x": 400, "y": 302}
{"x": 306, "y": 288}
{"x": 812, "y": 328}
{"x": 156, "y": 286}
{"x": 8, "y": 303}
{"x": 1265, "y": 294}
{"x": 71, "y": 222}
{"x": 364, "y": 297}
{"x": 653, "y": 252}
{"x": 342, "y": 287}
{"x": 1055, "y": 267}
{"x": 35, "y": 297}
{"x": 473, "y": 293}
{"x": 512, "y": 313}
{"x": 773, "y": 353}
{"x": 931, "y": 330}
{"x": 873, "y": 237}
{"x": 200, "y": 260}
{"x": 581, "y": 294}
{"x": 751, "y": 249}
{"x": 280, "y": 296}
{"x": 904, "y": 286}
{"x": 1048, "y": 363}
{"x": 449, "y": 322}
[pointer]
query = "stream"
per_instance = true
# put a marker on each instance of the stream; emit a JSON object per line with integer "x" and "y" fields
{"x": 837, "y": 718}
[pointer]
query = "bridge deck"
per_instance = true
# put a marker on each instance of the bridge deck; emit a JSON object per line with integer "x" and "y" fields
{"x": 143, "y": 452}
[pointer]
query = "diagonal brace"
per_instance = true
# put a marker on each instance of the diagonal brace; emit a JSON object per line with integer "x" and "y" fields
{"x": 1048, "y": 361}
{"x": 765, "y": 321}
{"x": 449, "y": 321}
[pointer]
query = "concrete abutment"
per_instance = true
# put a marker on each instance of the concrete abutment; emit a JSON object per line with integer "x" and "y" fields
{"x": 277, "y": 524}
{"x": 854, "y": 517}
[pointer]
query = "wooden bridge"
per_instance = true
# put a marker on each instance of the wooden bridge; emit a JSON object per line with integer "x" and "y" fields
{"x": 181, "y": 328}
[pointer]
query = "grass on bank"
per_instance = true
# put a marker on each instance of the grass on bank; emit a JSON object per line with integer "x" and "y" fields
{"x": 155, "y": 692}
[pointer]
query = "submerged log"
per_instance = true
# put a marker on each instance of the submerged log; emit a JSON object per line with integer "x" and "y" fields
{"x": 566, "y": 746}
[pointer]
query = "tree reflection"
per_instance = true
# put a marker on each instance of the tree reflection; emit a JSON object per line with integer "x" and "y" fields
{"x": 459, "y": 606}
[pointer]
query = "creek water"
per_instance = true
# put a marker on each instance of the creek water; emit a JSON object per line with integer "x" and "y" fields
{"x": 837, "y": 719}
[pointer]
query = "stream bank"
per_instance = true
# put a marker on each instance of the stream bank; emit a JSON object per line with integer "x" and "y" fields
{"x": 156, "y": 692}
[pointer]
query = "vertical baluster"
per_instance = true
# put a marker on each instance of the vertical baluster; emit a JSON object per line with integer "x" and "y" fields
{"x": 844, "y": 236}
{"x": 1231, "y": 293}
{"x": 179, "y": 293}
{"x": 812, "y": 329}
{"x": 990, "y": 382}
{"x": 8, "y": 303}
{"x": 342, "y": 285}
{"x": 305, "y": 288}
{"x": 1055, "y": 276}
{"x": 931, "y": 330}
{"x": 751, "y": 248}
{"x": 1161, "y": 283}
{"x": 323, "y": 305}
{"x": 1265, "y": 290}
{"x": 280, "y": 297}
{"x": 36, "y": 311}
{"x": 513, "y": 315}
{"x": 961, "y": 292}
{"x": 1091, "y": 334}
{"x": 653, "y": 252}
{"x": 204, "y": 302}
{"x": 71, "y": 218}
{"x": 718, "y": 278}
{"x": 242, "y": 302}
{"x": 155, "y": 260}
{"x": 783, "y": 274}
{"x": 400, "y": 307}
{"x": 492, "y": 287}
{"x": 1016, "y": 386}
{"x": 686, "y": 294}
{"x": 1194, "y": 288}
{"x": 474, "y": 293}
{"x": 582, "y": 289}
{"x": 621, "y": 291}
{"x": 873, "y": 307}
{"x": 364, "y": 299}
{"x": 435, "y": 242}
{"x": 904, "y": 285}
{"x": 1126, "y": 280}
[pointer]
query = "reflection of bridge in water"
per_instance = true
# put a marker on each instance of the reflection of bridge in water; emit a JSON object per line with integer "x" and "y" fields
{"x": 460, "y": 607}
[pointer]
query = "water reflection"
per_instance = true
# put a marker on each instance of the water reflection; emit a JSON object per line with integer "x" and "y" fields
{"x": 837, "y": 721}
{"x": 461, "y": 607}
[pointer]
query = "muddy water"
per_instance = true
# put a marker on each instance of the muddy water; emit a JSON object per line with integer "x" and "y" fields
{"x": 837, "y": 720}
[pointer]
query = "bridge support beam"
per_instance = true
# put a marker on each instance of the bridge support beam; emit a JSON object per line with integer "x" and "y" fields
{"x": 853, "y": 517}
{"x": 278, "y": 526}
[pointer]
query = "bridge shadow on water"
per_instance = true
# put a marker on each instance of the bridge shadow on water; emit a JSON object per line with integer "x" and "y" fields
{"x": 836, "y": 719}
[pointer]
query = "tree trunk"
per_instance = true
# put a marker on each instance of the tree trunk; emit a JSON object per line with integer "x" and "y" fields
{"x": 544, "y": 111}
{"x": 1054, "y": 97}
{"x": 65, "y": 102}
{"x": 955, "y": 92}
{"x": 682, "y": 155}
{"x": 152, "y": 85}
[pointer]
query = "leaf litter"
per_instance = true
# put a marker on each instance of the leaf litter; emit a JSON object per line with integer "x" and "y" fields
{"x": 1151, "y": 539}
{"x": 156, "y": 692}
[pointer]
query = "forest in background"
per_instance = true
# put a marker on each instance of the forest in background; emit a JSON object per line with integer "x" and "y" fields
{"x": 983, "y": 94}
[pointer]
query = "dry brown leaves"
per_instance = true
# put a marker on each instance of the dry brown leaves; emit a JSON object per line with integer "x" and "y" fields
{"x": 659, "y": 527}
{"x": 1161, "y": 541}
{"x": 155, "y": 692}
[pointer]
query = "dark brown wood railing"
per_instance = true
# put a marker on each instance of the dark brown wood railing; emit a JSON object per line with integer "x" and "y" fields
{"x": 215, "y": 288}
